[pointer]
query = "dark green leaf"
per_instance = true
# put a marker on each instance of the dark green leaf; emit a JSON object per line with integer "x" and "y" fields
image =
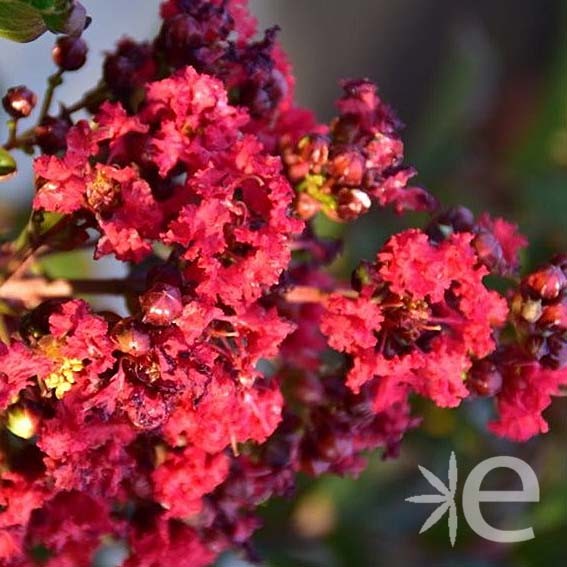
{"x": 20, "y": 21}
{"x": 25, "y": 20}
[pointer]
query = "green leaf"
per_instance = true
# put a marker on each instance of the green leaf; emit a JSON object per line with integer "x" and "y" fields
{"x": 25, "y": 20}
{"x": 57, "y": 15}
{"x": 20, "y": 21}
{"x": 7, "y": 164}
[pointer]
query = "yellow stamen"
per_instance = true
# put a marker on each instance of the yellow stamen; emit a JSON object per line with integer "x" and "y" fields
{"x": 62, "y": 380}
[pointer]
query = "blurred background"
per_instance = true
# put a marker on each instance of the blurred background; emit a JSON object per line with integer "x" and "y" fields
{"x": 482, "y": 88}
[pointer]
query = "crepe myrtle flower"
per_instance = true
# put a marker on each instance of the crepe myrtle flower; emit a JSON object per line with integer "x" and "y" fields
{"x": 164, "y": 426}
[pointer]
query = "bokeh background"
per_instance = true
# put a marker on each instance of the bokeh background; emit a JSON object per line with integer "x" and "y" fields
{"x": 482, "y": 88}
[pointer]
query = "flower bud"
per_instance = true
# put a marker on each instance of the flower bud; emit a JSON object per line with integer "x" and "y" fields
{"x": 179, "y": 36}
{"x": 131, "y": 66}
{"x": 347, "y": 165}
{"x": 69, "y": 53}
{"x": 488, "y": 250}
{"x": 352, "y": 203}
{"x": 131, "y": 338}
{"x": 51, "y": 134}
{"x": 547, "y": 282}
{"x": 557, "y": 357}
{"x": 484, "y": 379}
{"x": 554, "y": 316}
{"x": 161, "y": 305}
{"x": 19, "y": 102}
{"x": 346, "y": 130}
{"x": 456, "y": 219}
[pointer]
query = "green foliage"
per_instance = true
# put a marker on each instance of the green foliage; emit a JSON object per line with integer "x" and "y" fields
{"x": 26, "y": 20}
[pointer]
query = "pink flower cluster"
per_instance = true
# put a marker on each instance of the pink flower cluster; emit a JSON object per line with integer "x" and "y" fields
{"x": 421, "y": 316}
{"x": 164, "y": 428}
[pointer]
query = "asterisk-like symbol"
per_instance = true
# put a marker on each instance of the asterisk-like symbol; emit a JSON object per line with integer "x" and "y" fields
{"x": 446, "y": 499}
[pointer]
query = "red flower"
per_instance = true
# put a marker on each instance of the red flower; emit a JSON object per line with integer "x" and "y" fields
{"x": 526, "y": 393}
{"x": 19, "y": 366}
{"x": 351, "y": 321}
{"x": 419, "y": 321}
{"x": 184, "y": 478}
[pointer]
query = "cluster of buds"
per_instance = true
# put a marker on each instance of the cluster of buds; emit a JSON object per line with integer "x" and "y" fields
{"x": 525, "y": 372}
{"x": 539, "y": 313}
{"x": 357, "y": 160}
{"x": 216, "y": 38}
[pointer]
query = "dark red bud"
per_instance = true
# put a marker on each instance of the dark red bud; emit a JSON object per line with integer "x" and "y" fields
{"x": 554, "y": 316}
{"x": 70, "y": 53}
{"x": 51, "y": 134}
{"x": 547, "y": 282}
{"x": 130, "y": 338}
{"x": 351, "y": 203}
{"x": 488, "y": 250}
{"x": 456, "y": 219}
{"x": 161, "y": 305}
{"x": 346, "y": 130}
{"x": 178, "y": 38}
{"x": 557, "y": 357}
{"x": 19, "y": 102}
{"x": 131, "y": 66}
{"x": 164, "y": 274}
{"x": 484, "y": 379}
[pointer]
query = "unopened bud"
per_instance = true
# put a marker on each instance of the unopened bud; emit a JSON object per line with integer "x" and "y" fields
{"x": 161, "y": 304}
{"x": 352, "y": 203}
{"x": 70, "y": 53}
{"x": 19, "y": 102}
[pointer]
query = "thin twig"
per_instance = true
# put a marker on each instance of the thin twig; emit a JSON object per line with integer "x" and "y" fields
{"x": 52, "y": 83}
{"x": 307, "y": 294}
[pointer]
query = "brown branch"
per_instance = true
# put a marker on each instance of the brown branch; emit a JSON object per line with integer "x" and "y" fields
{"x": 30, "y": 292}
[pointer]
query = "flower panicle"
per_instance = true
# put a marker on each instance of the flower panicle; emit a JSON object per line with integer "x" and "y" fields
{"x": 165, "y": 426}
